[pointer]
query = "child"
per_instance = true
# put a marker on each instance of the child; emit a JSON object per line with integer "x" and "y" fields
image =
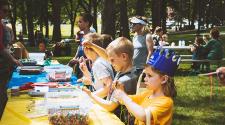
{"x": 101, "y": 69}
{"x": 142, "y": 42}
{"x": 157, "y": 36}
{"x": 42, "y": 48}
{"x": 164, "y": 41}
{"x": 119, "y": 53}
{"x": 198, "y": 53}
{"x": 155, "y": 105}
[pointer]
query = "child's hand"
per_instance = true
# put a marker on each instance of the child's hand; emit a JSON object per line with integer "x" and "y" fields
{"x": 86, "y": 90}
{"x": 83, "y": 67}
{"x": 17, "y": 62}
{"x": 119, "y": 95}
{"x": 117, "y": 85}
{"x": 85, "y": 80}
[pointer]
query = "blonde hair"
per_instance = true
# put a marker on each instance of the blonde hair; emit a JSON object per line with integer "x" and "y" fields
{"x": 121, "y": 45}
{"x": 101, "y": 40}
{"x": 106, "y": 40}
{"x": 168, "y": 88}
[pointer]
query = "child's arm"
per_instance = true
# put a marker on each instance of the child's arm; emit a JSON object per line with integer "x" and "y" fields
{"x": 5, "y": 53}
{"x": 150, "y": 45}
{"x": 193, "y": 48}
{"x": 101, "y": 52}
{"x": 134, "y": 108}
{"x": 76, "y": 55}
{"x": 87, "y": 78}
{"x": 104, "y": 91}
{"x": 108, "y": 105}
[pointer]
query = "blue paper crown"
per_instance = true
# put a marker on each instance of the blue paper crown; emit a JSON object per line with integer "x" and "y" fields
{"x": 164, "y": 60}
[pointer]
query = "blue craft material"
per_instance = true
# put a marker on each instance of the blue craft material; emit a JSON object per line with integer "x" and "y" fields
{"x": 18, "y": 80}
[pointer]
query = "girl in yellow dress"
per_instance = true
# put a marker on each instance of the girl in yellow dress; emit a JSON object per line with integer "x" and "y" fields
{"x": 154, "y": 106}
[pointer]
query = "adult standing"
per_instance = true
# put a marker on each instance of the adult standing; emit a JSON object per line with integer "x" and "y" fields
{"x": 142, "y": 42}
{"x": 6, "y": 60}
{"x": 84, "y": 23}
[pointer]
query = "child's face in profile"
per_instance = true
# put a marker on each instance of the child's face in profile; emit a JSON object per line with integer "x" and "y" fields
{"x": 152, "y": 79}
{"x": 42, "y": 47}
{"x": 117, "y": 61}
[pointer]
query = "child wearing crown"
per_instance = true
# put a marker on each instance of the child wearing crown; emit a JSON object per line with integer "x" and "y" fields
{"x": 154, "y": 106}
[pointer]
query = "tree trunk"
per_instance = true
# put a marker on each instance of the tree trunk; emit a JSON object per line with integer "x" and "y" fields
{"x": 30, "y": 22}
{"x": 140, "y": 7}
{"x": 13, "y": 17}
{"x": 56, "y": 10}
{"x": 108, "y": 17}
{"x": 72, "y": 21}
{"x": 23, "y": 18}
{"x": 46, "y": 18}
{"x": 164, "y": 15}
{"x": 124, "y": 28}
{"x": 199, "y": 16}
{"x": 156, "y": 13}
{"x": 193, "y": 16}
{"x": 189, "y": 13}
{"x": 208, "y": 13}
{"x": 95, "y": 14}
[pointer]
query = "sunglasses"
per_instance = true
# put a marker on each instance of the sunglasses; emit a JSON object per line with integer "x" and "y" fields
{"x": 133, "y": 24}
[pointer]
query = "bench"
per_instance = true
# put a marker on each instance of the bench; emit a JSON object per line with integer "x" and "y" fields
{"x": 187, "y": 59}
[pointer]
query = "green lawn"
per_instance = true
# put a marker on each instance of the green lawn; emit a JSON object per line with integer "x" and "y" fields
{"x": 192, "y": 104}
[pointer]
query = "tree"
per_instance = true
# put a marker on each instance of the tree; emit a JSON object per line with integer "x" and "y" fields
{"x": 95, "y": 10}
{"x": 13, "y": 16}
{"x": 140, "y": 7}
{"x": 157, "y": 8}
{"x": 90, "y": 6}
{"x": 23, "y": 17}
{"x": 30, "y": 25}
{"x": 46, "y": 17}
{"x": 164, "y": 15}
{"x": 108, "y": 17}
{"x": 71, "y": 8}
{"x": 56, "y": 10}
{"x": 124, "y": 28}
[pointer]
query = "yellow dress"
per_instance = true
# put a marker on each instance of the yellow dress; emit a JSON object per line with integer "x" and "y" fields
{"x": 161, "y": 108}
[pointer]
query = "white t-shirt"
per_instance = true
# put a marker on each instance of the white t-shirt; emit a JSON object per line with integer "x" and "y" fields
{"x": 101, "y": 69}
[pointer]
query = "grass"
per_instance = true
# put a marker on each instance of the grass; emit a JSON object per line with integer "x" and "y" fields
{"x": 192, "y": 104}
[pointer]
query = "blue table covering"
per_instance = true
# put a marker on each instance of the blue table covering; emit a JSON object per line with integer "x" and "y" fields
{"x": 18, "y": 80}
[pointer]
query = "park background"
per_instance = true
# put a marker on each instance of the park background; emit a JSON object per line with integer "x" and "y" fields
{"x": 181, "y": 19}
